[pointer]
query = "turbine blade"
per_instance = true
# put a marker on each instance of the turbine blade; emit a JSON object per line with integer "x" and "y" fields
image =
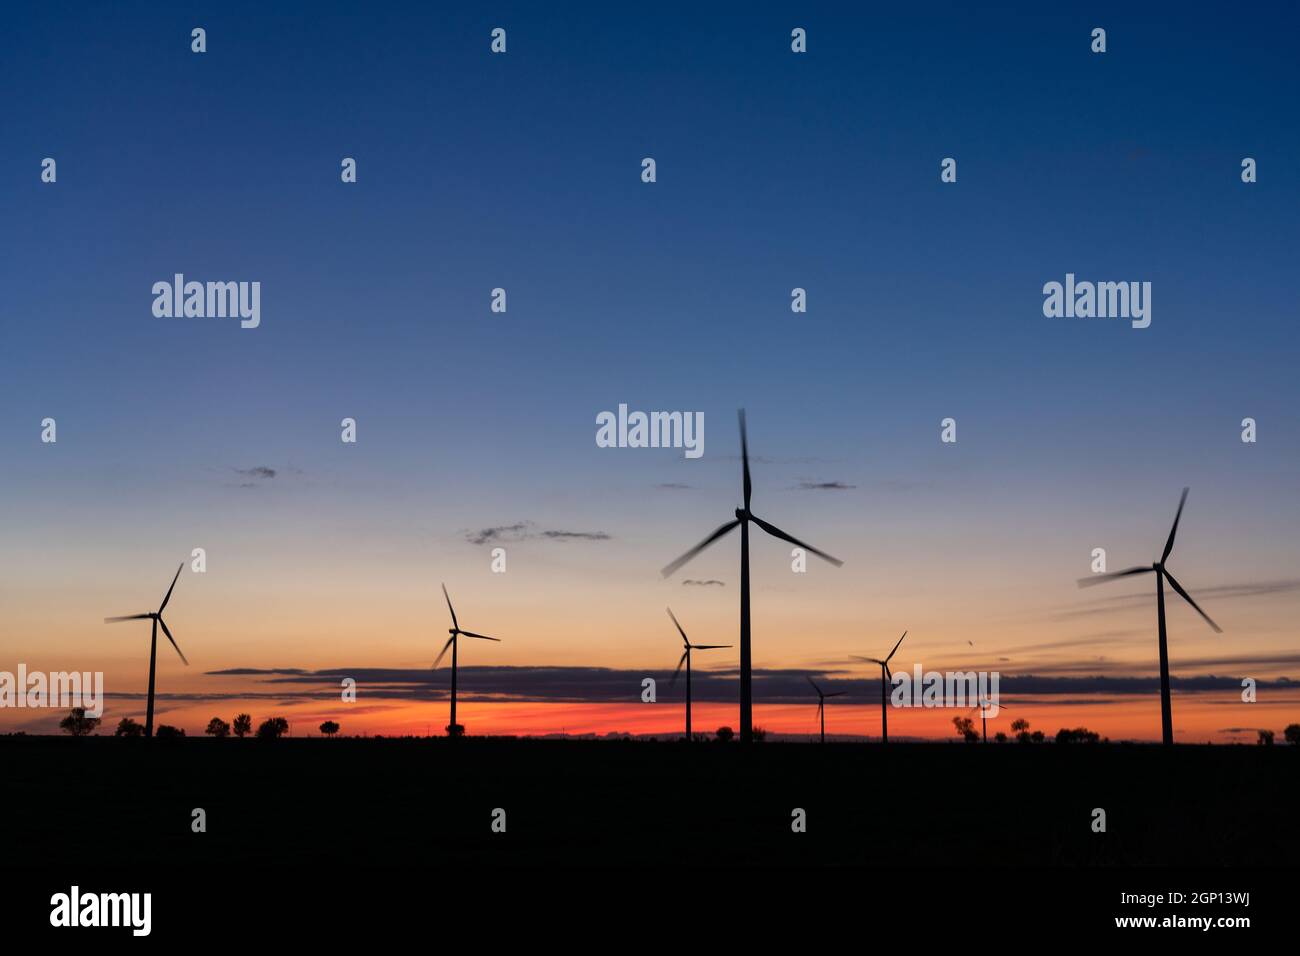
{"x": 443, "y": 654}
{"x": 866, "y": 660}
{"x": 172, "y": 588}
{"x": 454, "y": 622}
{"x": 129, "y": 617}
{"x": 1169, "y": 545}
{"x": 685, "y": 640}
{"x": 1103, "y": 578}
{"x": 1188, "y": 598}
{"x": 680, "y": 661}
{"x": 173, "y": 640}
{"x": 481, "y": 637}
{"x": 744, "y": 457}
{"x": 708, "y": 647}
{"x": 778, "y": 533}
{"x": 896, "y": 647}
{"x": 814, "y": 684}
{"x": 837, "y": 693}
{"x": 670, "y": 569}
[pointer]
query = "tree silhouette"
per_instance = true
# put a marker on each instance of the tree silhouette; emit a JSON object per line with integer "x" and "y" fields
{"x": 724, "y": 734}
{"x": 218, "y": 728}
{"x": 77, "y": 723}
{"x": 243, "y": 725}
{"x": 329, "y": 728}
{"x": 759, "y": 734}
{"x": 126, "y": 727}
{"x": 455, "y": 730}
{"x": 1020, "y": 727}
{"x": 273, "y": 728}
{"x": 1292, "y": 734}
{"x": 1266, "y": 738}
{"x": 167, "y": 730}
{"x": 1000, "y": 737}
{"x": 966, "y": 727}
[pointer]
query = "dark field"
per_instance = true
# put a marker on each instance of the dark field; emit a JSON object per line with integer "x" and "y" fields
{"x": 416, "y": 802}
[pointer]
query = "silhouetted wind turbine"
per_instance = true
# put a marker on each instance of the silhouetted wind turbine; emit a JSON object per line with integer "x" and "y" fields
{"x": 157, "y": 618}
{"x": 1161, "y": 572}
{"x": 455, "y": 632}
{"x": 686, "y": 659}
{"x": 821, "y": 703}
{"x": 743, "y": 517}
{"x": 885, "y": 677}
{"x": 982, "y": 707}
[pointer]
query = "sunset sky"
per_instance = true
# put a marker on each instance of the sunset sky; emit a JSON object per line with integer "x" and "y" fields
{"x": 477, "y": 430}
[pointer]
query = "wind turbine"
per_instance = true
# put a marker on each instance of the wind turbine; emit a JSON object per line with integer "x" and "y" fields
{"x": 1162, "y": 573}
{"x": 982, "y": 707}
{"x": 686, "y": 659}
{"x": 157, "y": 618}
{"x": 455, "y": 632}
{"x": 885, "y": 677}
{"x": 743, "y": 517}
{"x": 821, "y": 703}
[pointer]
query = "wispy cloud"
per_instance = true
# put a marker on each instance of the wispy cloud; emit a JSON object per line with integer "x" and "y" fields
{"x": 1223, "y": 592}
{"x": 711, "y": 582}
{"x": 824, "y": 486}
{"x": 528, "y": 531}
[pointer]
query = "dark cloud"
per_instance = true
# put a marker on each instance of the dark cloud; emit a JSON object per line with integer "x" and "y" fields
{"x": 711, "y": 582}
{"x": 824, "y": 486}
{"x": 673, "y": 486}
{"x": 720, "y": 685}
{"x": 258, "y": 471}
{"x": 528, "y": 531}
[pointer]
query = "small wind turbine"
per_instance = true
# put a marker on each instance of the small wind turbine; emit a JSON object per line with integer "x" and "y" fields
{"x": 455, "y": 632}
{"x": 157, "y": 618}
{"x": 686, "y": 659}
{"x": 983, "y": 708}
{"x": 821, "y": 703}
{"x": 1162, "y": 573}
{"x": 743, "y": 517}
{"x": 885, "y": 677}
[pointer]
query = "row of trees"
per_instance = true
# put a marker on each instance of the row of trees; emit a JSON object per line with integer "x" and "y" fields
{"x": 1082, "y": 735}
{"x": 79, "y": 724}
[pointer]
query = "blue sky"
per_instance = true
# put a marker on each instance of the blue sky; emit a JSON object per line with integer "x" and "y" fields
{"x": 774, "y": 171}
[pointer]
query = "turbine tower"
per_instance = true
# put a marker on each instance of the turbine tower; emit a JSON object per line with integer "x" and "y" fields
{"x": 821, "y": 703}
{"x": 686, "y": 659}
{"x": 1162, "y": 574}
{"x": 886, "y": 675}
{"x": 455, "y": 632}
{"x": 743, "y": 518}
{"x": 157, "y": 618}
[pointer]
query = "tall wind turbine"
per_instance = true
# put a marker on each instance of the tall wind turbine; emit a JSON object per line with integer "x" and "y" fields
{"x": 821, "y": 704}
{"x": 157, "y": 618}
{"x": 686, "y": 659}
{"x": 455, "y": 632}
{"x": 886, "y": 675}
{"x": 1162, "y": 573}
{"x": 743, "y": 517}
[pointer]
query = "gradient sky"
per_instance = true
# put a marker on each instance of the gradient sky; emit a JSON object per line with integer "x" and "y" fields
{"x": 774, "y": 171}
